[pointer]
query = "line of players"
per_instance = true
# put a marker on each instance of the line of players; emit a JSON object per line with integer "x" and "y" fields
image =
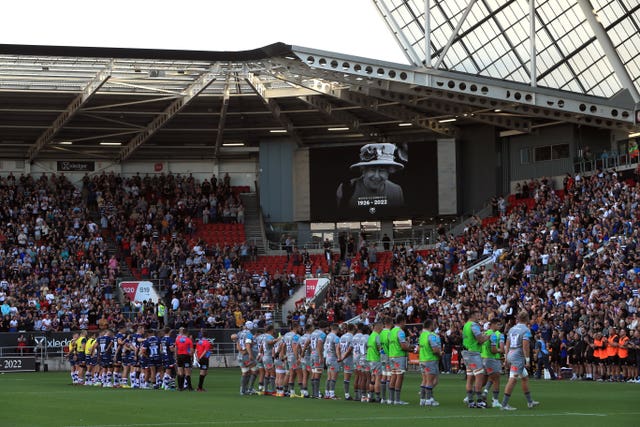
{"x": 139, "y": 359}
{"x": 374, "y": 360}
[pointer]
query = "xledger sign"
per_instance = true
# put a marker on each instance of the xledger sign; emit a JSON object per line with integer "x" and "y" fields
{"x": 139, "y": 291}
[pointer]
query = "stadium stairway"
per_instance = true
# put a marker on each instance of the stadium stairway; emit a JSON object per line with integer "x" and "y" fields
{"x": 252, "y": 222}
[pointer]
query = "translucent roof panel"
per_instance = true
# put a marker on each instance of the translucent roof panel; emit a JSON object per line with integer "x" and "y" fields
{"x": 491, "y": 38}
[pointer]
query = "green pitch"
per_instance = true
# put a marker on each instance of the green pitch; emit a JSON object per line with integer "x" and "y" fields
{"x": 47, "y": 399}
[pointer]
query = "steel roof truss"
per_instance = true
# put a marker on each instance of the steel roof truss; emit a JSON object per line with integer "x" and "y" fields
{"x": 223, "y": 118}
{"x": 89, "y": 90}
{"x": 261, "y": 90}
{"x": 452, "y": 109}
{"x": 397, "y": 112}
{"x": 176, "y": 106}
{"x": 460, "y": 87}
{"x": 344, "y": 117}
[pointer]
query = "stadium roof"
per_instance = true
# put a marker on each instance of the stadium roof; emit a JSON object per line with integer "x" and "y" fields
{"x": 118, "y": 104}
{"x": 590, "y": 47}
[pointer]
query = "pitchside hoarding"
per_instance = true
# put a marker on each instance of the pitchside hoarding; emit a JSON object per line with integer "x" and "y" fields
{"x": 139, "y": 291}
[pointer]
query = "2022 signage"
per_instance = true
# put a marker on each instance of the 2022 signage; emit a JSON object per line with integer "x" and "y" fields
{"x": 18, "y": 364}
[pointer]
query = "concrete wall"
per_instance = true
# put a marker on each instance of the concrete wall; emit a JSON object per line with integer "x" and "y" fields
{"x": 478, "y": 167}
{"x": 447, "y": 177}
{"x": 242, "y": 171}
{"x": 276, "y": 179}
{"x": 301, "y": 186}
{"x": 561, "y": 134}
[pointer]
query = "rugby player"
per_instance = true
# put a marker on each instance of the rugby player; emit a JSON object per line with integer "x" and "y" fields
{"x": 292, "y": 350}
{"x": 118, "y": 366}
{"x": 317, "y": 339}
{"x": 168, "y": 358}
{"x": 105, "y": 352}
{"x": 356, "y": 343}
{"x": 518, "y": 348}
{"x": 266, "y": 350}
{"x": 91, "y": 377}
{"x": 384, "y": 360}
{"x": 398, "y": 347}
{"x": 346, "y": 357}
{"x": 375, "y": 366}
{"x": 135, "y": 344}
{"x": 260, "y": 362}
{"x": 430, "y": 351}
{"x": 305, "y": 358}
{"x": 280, "y": 364}
{"x": 492, "y": 349}
{"x": 81, "y": 365}
{"x": 472, "y": 339}
{"x": 73, "y": 358}
{"x": 332, "y": 354}
{"x": 247, "y": 357}
{"x": 151, "y": 360}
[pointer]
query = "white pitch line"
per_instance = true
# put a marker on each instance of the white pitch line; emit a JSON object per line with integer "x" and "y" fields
{"x": 329, "y": 419}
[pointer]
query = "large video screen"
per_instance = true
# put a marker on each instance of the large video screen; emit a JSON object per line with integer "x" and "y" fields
{"x": 374, "y": 181}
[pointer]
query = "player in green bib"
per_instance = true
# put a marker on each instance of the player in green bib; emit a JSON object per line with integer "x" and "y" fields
{"x": 472, "y": 339}
{"x": 492, "y": 350}
{"x": 398, "y": 347}
{"x": 373, "y": 358}
{"x": 384, "y": 359}
{"x": 429, "y": 356}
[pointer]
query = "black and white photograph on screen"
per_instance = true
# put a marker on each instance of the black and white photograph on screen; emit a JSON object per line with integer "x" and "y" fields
{"x": 373, "y": 188}
{"x": 374, "y": 181}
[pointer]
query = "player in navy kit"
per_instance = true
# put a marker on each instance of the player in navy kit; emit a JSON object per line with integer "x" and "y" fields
{"x": 118, "y": 350}
{"x": 135, "y": 343}
{"x": 167, "y": 355}
{"x": 105, "y": 357}
{"x": 150, "y": 360}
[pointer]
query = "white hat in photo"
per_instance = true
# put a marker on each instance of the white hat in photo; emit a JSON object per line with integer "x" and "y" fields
{"x": 379, "y": 154}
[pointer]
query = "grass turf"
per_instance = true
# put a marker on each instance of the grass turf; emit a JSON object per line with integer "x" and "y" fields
{"x": 47, "y": 399}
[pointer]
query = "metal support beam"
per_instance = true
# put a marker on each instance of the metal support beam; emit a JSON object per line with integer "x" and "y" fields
{"x": 348, "y": 119}
{"x": 452, "y": 109}
{"x": 609, "y": 49}
{"x": 200, "y": 84}
{"x": 394, "y": 110}
{"x": 90, "y": 89}
{"x": 455, "y": 33}
{"x": 398, "y": 112}
{"x": 398, "y": 33}
{"x": 260, "y": 89}
{"x": 612, "y": 113}
{"x": 223, "y": 118}
{"x": 533, "y": 71}
{"x": 427, "y": 33}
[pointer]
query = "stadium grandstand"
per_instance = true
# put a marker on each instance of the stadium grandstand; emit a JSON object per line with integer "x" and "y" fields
{"x": 498, "y": 167}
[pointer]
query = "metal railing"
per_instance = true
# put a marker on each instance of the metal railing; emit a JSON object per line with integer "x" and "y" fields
{"x": 612, "y": 160}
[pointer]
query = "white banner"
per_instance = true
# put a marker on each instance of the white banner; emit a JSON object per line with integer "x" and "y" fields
{"x": 140, "y": 291}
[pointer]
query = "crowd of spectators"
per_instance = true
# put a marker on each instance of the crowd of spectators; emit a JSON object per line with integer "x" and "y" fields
{"x": 56, "y": 273}
{"x": 569, "y": 258}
